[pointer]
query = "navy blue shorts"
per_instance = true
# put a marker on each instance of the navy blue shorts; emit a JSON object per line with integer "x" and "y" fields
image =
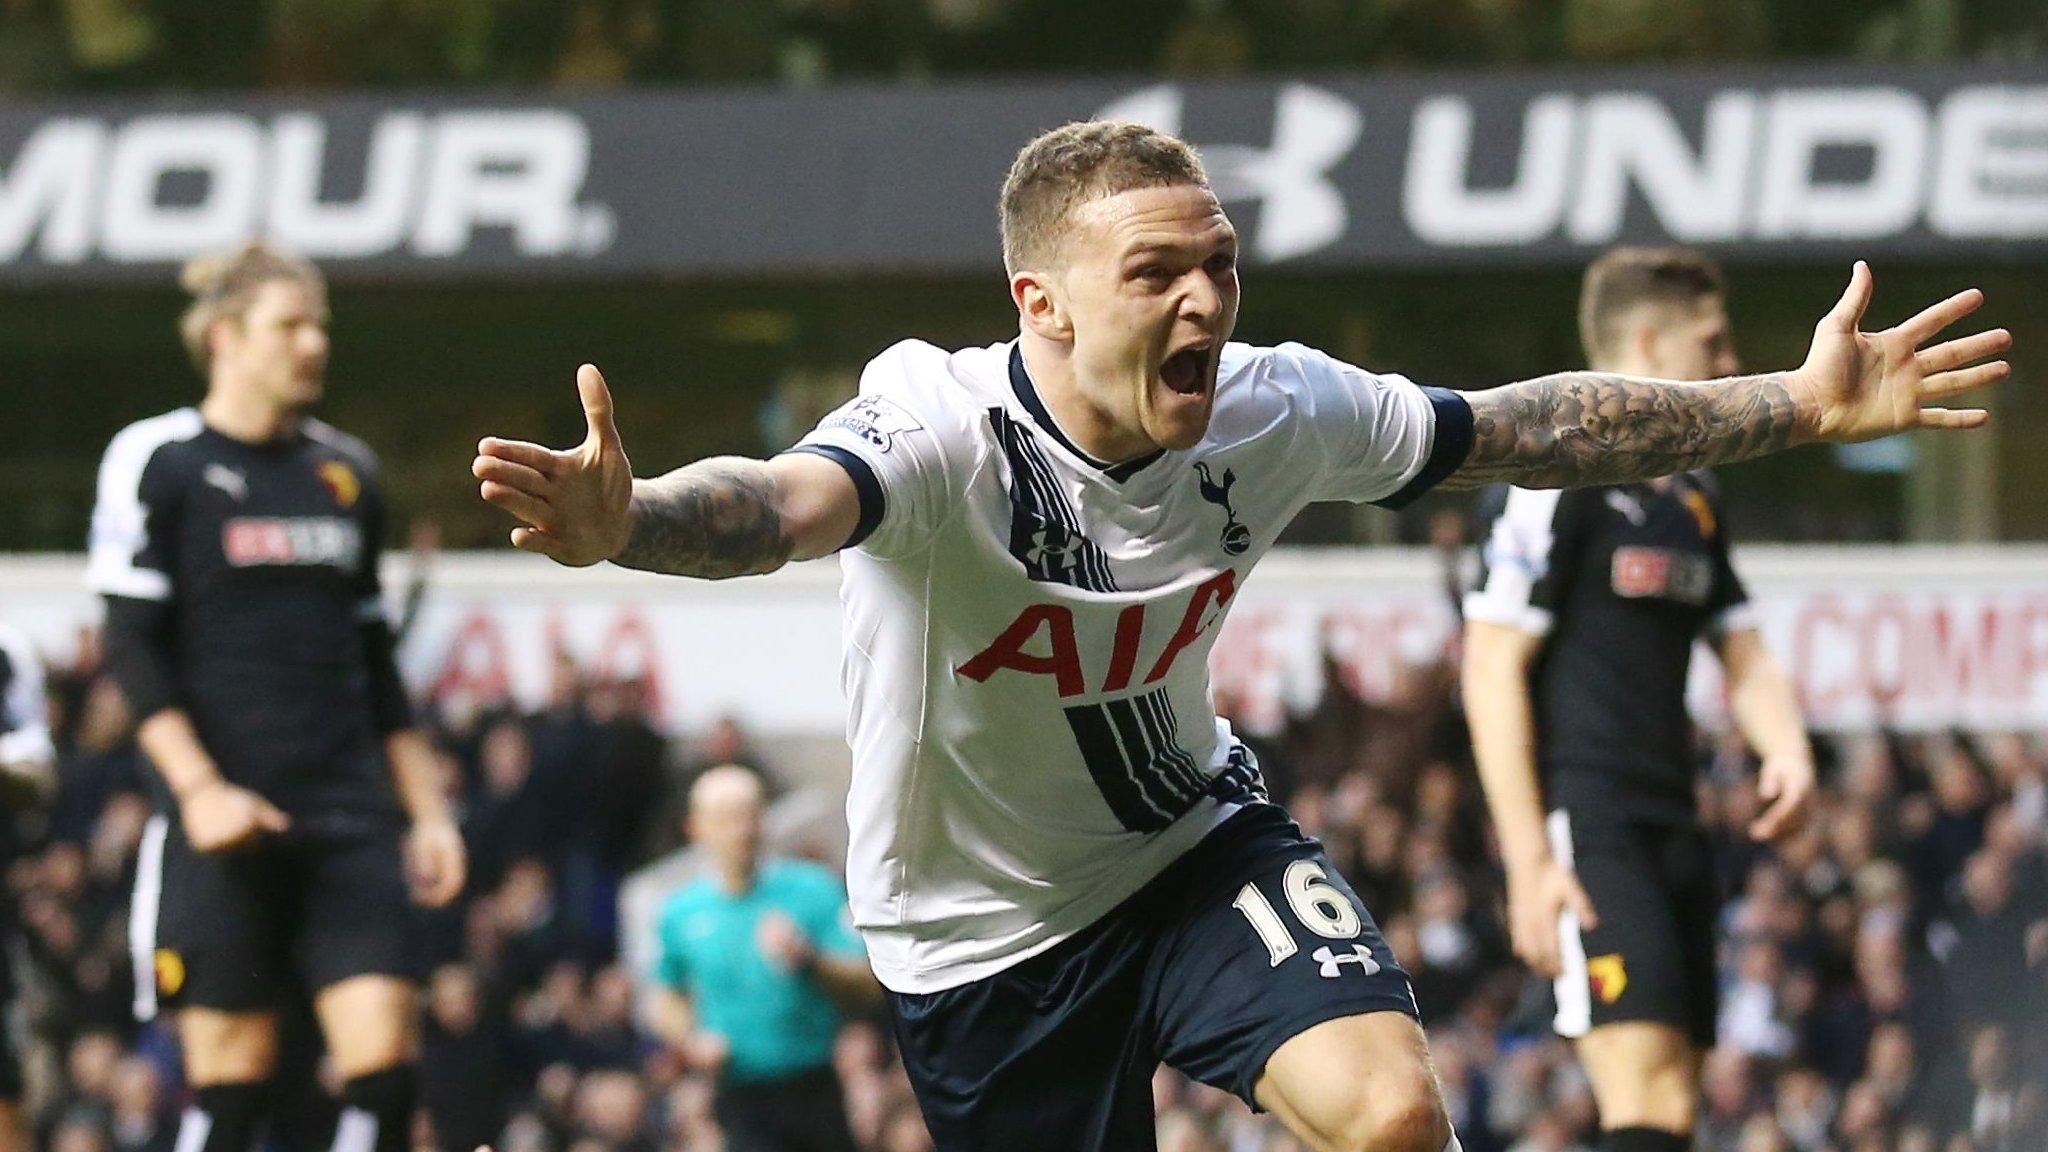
{"x": 1248, "y": 940}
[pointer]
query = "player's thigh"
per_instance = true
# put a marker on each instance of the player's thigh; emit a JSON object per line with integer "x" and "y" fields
{"x": 354, "y": 950}
{"x": 218, "y": 939}
{"x": 1634, "y": 966}
{"x": 1358, "y": 1082}
{"x": 1046, "y": 1054}
{"x": 369, "y": 1023}
{"x": 1643, "y": 1075}
{"x": 223, "y": 1047}
{"x": 1271, "y": 944}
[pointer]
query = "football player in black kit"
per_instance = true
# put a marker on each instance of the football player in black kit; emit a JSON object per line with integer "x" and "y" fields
{"x": 236, "y": 544}
{"x": 1577, "y": 644}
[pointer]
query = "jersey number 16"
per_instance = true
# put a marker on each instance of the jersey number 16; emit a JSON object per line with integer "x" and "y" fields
{"x": 1320, "y": 907}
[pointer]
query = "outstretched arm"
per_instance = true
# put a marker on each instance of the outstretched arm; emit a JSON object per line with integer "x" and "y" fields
{"x": 731, "y": 516}
{"x": 1601, "y": 428}
{"x": 725, "y": 516}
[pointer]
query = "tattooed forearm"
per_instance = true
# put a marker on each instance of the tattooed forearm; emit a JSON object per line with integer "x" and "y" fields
{"x": 715, "y": 518}
{"x": 1600, "y": 428}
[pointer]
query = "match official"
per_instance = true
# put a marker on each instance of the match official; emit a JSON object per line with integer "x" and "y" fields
{"x": 755, "y": 957}
{"x": 1577, "y": 645}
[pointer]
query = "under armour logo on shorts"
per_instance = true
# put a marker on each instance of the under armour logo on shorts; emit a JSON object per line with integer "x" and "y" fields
{"x": 1333, "y": 962}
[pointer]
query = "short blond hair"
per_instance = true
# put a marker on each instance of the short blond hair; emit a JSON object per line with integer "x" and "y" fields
{"x": 223, "y": 285}
{"x": 1623, "y": 279}
{"x": 1074, "y": 164}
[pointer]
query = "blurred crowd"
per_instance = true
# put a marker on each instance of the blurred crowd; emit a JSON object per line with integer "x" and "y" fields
{"x": 99, "y": 45}
{"x": 1885, "y": 972}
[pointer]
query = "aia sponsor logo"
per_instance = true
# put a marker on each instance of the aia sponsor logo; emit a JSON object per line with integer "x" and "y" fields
{"x": 297, "y": 541}
{"x": 1052, "y": 626}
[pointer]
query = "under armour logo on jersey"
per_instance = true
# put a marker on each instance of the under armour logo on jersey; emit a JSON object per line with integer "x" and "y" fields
{"x": 1301, "y": 209}
{"x": 227, "y": 480}
{"x": 1333, "y": 962}
{"x": 1236, "y": 537}
{"x": 1051, "y": 548}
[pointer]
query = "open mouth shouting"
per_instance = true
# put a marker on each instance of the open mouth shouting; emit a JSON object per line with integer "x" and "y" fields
{"x": 1187, "y": 372}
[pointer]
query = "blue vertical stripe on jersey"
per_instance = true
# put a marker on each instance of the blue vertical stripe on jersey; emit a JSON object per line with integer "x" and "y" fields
{"x": 1104, "y": 759}
{"x": 1043, "y": 525}
{"x": 1131, "y": 749}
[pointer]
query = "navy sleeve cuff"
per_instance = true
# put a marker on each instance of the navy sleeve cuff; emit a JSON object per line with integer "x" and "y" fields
{"x": 870, "y": 489}
{"x": 1452, "y": 444}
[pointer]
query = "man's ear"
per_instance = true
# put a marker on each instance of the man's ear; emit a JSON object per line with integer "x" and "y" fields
{"x": 218, "y": 333}
{"x": 1645, "y": 328}
{"x": 1039, "y": 307}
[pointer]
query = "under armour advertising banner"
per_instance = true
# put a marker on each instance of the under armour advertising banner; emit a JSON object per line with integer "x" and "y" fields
{"x": 1333, "y": 172}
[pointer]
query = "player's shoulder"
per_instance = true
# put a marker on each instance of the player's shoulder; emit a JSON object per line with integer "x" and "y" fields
{"x": 1292, "y": 372}
{"x": 917, "y": 388}
{"x": 138, "y": 443}
{"x": 934, "y": 379}
{"x": 334, "y": 440}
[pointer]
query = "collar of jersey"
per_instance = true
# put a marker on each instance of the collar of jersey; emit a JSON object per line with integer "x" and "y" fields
{"x": 1027, "y": 395}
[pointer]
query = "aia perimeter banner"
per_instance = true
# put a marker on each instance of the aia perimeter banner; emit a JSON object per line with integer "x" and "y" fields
{"x": 1916, "y": 637}
{"x": 1407, "y": 171}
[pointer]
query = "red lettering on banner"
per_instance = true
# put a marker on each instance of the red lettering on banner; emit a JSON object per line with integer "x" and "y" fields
{"x": 1217, "y": 589}
{"x": 1130, "y": 625}
{"x": 1887, "y": 615}
{"x": 1963, "y": 664}
{"x": 1809, "y": 644}
{"x": 1063, "y": 664}
{"x": 631, "y": 635}
{"x": 476, "y": 663}
{"x": 2033, "y": 642}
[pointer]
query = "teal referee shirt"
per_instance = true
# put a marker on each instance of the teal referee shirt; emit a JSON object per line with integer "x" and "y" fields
{"x": 777, "y": 1023}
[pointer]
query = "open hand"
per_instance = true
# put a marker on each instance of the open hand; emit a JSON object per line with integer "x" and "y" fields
{"x": 221, "y": 816}
{"x": 435, "y": 861}
{"x": 1862, "y": 385}
{"x": 575, "y": 503}
{"x": 1786, "y": 784}
{"x": 1536, "y": 898}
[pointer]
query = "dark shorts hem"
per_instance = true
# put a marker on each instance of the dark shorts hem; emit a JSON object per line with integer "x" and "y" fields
{"x": 1288, "y": 1027}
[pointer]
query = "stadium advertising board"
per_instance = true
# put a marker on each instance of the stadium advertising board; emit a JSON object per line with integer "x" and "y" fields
{"x": 1917, "y": 638}
{"x": 1334, "y": 172}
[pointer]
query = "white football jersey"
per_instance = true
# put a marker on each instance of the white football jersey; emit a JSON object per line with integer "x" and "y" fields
{"x": 1028, "y": 631}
